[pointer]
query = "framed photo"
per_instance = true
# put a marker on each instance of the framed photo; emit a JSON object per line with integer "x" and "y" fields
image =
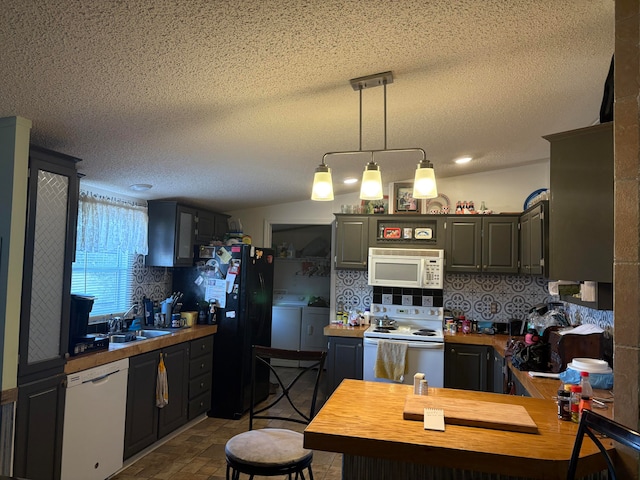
{"x": 403, "y": 201}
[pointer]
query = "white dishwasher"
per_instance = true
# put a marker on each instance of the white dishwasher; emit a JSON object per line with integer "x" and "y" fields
{"x": 94, "y": 418}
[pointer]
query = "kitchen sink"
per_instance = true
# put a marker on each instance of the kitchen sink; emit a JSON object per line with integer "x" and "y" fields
{"x": 152, "y": 333}
{"x": 122, "y": 338}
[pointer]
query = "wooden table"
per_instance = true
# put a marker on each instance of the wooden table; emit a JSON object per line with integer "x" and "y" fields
{"x": 364, "y": 421}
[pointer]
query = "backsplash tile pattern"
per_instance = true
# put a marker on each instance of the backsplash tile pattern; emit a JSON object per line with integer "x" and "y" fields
{"x": 472, "y": 294}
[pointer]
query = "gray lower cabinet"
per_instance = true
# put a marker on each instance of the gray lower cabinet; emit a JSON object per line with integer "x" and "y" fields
{"x": 344, "y": 360}
{"x": 200, "y": 367}
{"x": 467, "y": 367}
{"x": 145, "y": 423}
{"x": 516, "y": 388}
{"x": 482, "y": 244}
{"x": 499, "y": 380}
{"x": 39, "y": 420}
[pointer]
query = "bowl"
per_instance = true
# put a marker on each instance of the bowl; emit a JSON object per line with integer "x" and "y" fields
{"x": 591, "y": 365}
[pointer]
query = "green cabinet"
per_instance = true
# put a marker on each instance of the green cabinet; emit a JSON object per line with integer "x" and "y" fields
{"x": 534, "y": 239}
{"x": 467, "y": 367}
{"x": 352, "y": 241}
{"x": 482, "y": 244}
{"x": 344, "y": 360}
{"x": 145, "y": 423}
{"x": 581, "y": 204}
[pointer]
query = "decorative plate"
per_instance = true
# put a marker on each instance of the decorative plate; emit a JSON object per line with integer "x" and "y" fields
{"x": 437, "y": 205}
{"x": 528, "y": 201}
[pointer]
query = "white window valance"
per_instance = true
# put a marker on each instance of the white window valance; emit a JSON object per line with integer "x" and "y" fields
{"x": 108, "y": 223}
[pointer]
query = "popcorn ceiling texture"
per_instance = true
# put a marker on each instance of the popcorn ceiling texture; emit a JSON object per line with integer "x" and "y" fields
{"x": 214, "y": 100}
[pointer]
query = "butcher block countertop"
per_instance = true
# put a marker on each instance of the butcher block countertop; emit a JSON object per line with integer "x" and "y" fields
{"x": 337, "y": 330}
{"x": 118, "y": 351}
{"x": 365, "y": 419}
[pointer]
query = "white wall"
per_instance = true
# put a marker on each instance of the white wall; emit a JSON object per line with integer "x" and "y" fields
{"x": 502, "y": 190}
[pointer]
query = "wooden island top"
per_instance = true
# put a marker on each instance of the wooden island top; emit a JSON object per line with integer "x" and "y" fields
{"x": 364, "y": 421}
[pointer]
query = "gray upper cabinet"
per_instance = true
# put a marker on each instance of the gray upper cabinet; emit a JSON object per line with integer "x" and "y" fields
{"x": 171, "y": 234}
{"x": 482, "y": 244}
{"x": 534, "y": 239}
{"x": 581, "y": 204}
{"x": 352, "y": 241}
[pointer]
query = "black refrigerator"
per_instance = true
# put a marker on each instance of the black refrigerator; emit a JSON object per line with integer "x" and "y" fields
{"x": 239, "y": 278}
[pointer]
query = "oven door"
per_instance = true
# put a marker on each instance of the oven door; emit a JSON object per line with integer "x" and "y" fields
{"x": 422, "y": 357}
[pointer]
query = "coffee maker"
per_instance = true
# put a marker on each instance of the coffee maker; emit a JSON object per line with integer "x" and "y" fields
{"x": 79, "y": 340}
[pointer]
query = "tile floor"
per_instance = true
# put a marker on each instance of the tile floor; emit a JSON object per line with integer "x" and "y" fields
{"x": 198, "y": 452}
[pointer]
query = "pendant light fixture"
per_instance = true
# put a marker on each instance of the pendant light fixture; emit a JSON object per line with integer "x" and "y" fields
{"x": 371, "y": 185}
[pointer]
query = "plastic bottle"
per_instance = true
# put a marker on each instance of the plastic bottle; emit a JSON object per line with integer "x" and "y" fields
{"x": 576, "y": 391}
{"x": 339, "y": 310}
{"x": 586, "y": 397}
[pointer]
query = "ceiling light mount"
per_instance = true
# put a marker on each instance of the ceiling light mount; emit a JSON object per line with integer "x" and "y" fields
{"x": 371, "y": 185}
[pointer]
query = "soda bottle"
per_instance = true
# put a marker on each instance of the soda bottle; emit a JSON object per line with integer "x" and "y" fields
{"x": 586, "y": 397}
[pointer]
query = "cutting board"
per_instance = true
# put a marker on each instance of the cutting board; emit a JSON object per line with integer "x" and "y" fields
{"x": 472, "y": 413}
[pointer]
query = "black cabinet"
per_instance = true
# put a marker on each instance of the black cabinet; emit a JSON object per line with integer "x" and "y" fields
{"x": 174, "y": 229}
{"x": 499, "y": 379}
{"x": 344, "y": 360}
{"x": 407, "y": 231}
{"x": 52, "y": 210}
{"x": 209, "y": 226}
{"x": 467, "y": 367}
{"x": 200, "y": 367}
{"x": 38, "y": 437}
{"x": 171, "y": 234}
{"x": 581, "y": 204}
{"x": 145, "y": 423}
{"x": 534, "y": 239}
{"x": 352, "y": 241}
{"x": 482, "y": 244}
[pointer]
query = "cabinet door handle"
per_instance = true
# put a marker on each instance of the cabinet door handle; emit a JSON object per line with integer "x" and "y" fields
{"x": 202, "y": 365}
{"x": 201, "y": 384}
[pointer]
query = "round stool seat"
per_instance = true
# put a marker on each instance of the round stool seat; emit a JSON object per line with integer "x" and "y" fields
{"x": 267, "y": 448}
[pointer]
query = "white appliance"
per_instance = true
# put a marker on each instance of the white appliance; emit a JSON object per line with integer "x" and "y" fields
{"x": 420, "y": 328}
{"x": 405, "y": 267}
{"x": 94, "y": 420}
{"x": 286, "y": 324}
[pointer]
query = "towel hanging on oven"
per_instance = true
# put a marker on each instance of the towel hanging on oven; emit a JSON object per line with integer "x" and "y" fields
{"x": 391, "y": 360}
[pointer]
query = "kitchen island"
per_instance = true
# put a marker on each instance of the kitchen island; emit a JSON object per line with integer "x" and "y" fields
{"x": 364, "y": 421}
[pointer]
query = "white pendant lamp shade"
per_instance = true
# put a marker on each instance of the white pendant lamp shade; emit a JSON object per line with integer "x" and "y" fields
{"x": 371, "y": 187}
{"x": 424, "y": 183}
{"x": 322, "y": 185}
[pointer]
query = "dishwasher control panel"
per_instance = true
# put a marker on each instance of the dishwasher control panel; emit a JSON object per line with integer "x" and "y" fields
{"x": 96, "y": 373}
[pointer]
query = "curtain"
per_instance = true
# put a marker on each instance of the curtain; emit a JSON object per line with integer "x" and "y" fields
{"x": 107, "y": 223}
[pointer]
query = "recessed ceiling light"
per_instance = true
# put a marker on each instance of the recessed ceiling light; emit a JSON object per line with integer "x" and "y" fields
{"x": 140, "y": 187}
{"x": 463, "y": 160}
{"x": 350, "y": 180}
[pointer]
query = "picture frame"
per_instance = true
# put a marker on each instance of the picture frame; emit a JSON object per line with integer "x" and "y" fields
{"x": 403, "y": 201}
{"x": 369, "y": 206}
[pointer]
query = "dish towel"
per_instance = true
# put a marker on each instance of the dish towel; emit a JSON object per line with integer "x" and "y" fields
{"x": 391, "y": 360}
{"x": 162, "y": 387}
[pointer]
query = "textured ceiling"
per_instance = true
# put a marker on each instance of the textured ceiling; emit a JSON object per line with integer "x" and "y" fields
{"x": 232, "y": 104}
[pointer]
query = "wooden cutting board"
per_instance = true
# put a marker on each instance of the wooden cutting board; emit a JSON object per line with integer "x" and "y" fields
{"x": 472, "y": 413}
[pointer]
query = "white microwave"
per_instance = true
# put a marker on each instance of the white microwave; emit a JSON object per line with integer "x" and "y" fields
{"x": 406, "y": 267}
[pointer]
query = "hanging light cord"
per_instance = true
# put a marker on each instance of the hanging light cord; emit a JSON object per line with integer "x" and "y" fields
{"x": 360, "y": 146}
{"x": 384, "y": 84}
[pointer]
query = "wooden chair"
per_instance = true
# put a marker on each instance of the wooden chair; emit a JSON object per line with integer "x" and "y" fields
{"x": 277, "y": 451}
{"x": 592, "y": 425}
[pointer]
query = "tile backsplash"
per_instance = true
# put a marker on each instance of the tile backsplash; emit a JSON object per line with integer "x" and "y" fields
{"x": 512, "y": 296}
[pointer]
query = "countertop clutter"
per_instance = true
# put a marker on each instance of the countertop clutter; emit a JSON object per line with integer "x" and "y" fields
{"x": 379, "y": 443}
{"x": 118, "y": 351}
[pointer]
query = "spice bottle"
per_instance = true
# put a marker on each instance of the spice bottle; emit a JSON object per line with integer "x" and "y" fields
{"x": 564, "y": 403}
{"x": 586, "y": 397}
{"x": 576, "y": 391}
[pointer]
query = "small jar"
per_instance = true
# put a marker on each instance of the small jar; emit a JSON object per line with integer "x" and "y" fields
{"x": 564, "y": 403}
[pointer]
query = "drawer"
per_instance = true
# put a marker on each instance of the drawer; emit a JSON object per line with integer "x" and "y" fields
{"x": 200, "y": 366}
{"x": 201, "y": 346}
{"x": 199, "y": 405}
{"x": 199, "y": 385}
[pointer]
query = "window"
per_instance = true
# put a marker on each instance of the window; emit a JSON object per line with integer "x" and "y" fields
{"x": 106, "y": 276}
{"x": 112, "y": 231}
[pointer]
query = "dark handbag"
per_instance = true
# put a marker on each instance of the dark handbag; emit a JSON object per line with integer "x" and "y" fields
{"x": 533, "y": 357}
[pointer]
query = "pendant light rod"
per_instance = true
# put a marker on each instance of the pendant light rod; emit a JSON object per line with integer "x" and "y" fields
{"x": 381, "y": 150}
{"x": 384, "y": 84}
{"x": 360, "y": 145}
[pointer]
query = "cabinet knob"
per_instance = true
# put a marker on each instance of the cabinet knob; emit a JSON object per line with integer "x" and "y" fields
{"x": 203, "y": 346}
{"x": 201, "y": 384}
{"x": 477, "y": 267}
{"x": 484, "y": 266}
{"x": 202, "y": 365}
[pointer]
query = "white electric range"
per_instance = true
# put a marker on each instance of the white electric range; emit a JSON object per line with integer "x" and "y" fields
{"x": 420, "y": 328}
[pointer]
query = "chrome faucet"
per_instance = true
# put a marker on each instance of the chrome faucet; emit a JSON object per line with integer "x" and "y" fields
{"x": 133, "y": 308}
